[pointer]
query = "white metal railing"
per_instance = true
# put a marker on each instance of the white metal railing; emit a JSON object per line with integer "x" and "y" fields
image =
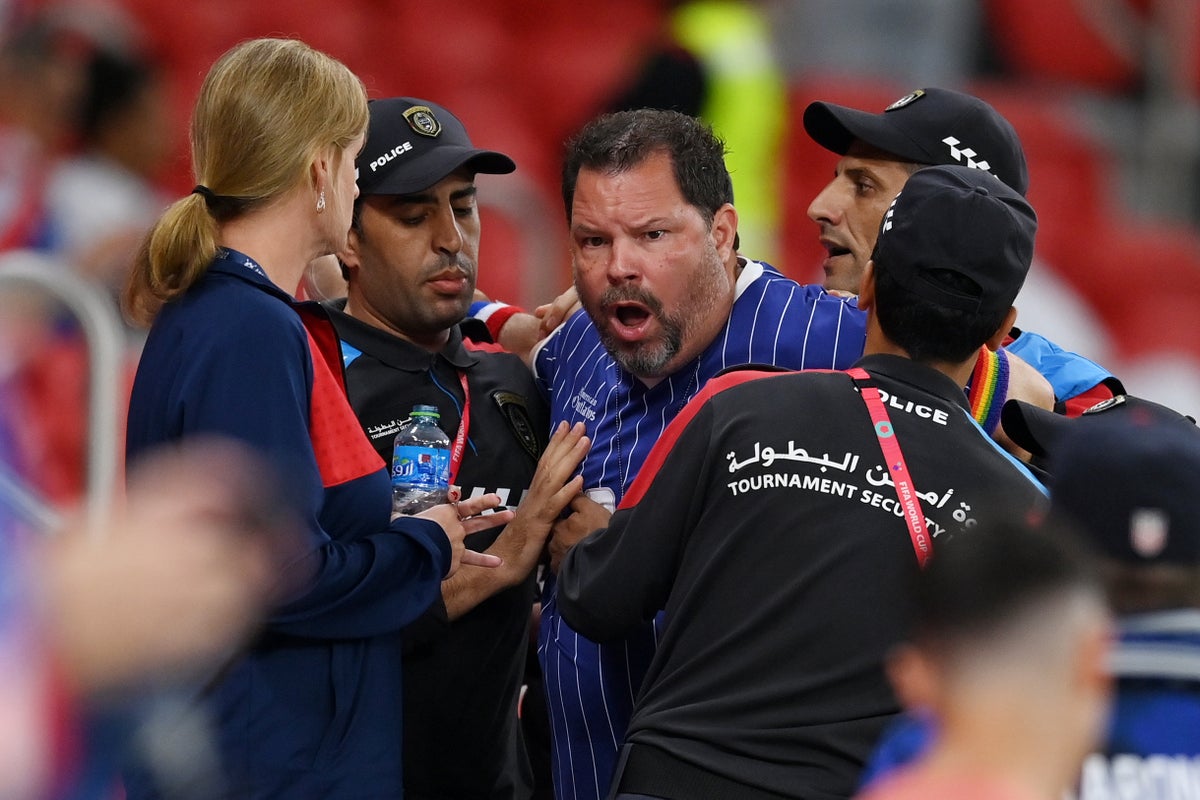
{"x": 105, "y": 344}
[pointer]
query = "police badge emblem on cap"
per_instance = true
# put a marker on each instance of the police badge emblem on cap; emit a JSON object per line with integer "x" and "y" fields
{"x": 422, "y": 120}
{"x": 903, "y": 101}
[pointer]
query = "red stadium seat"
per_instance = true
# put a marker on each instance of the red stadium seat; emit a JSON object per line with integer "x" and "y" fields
{"x": 1131, "y": 265}
{"x": 1158, "y": 323}
{"x": 1070, "y": 175}
{"x": 1067, "y": 42}
{"x": 571, "y": 58}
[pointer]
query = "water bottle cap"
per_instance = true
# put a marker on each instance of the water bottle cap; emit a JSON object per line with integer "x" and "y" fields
{"x": 425, "y": 411}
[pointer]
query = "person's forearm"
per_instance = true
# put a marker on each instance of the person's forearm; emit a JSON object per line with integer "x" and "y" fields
{"x": 469, "y": 587}
{"x": 520, "y": 334}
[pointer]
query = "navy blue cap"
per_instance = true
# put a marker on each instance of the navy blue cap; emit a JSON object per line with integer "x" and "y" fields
{"x": 1130, "y": 482}
{"x": 1041, "y": 432}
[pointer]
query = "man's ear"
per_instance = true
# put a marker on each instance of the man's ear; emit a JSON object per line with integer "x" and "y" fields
{"x": 914, "y": 677}
{"x": 1092, "y": 671}
{"x": 349, "y": 256}
{"x": 866, "y": 290}
{"x": 724, "y": 231}
{"x": 1001, "y": 333}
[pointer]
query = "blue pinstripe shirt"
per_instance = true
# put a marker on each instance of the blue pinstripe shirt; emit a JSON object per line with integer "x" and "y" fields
{"x": 590, "y": 688}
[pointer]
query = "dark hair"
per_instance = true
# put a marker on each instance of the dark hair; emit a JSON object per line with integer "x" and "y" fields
{"x": 1142, "y": 588}
{"x": 617, "y": 142}
{"x": 114, "y": 82}
{"x": 978, "y": 581}
{"x": 925, "y": 330}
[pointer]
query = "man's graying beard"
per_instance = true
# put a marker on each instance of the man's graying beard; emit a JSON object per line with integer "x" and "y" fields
{"x": 649, "y": 359}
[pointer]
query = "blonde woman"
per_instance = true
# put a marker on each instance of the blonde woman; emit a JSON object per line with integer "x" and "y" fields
{"x": 312, "y": 709}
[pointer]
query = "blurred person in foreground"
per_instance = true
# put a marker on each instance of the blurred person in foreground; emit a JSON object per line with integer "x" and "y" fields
{"x": 410, "y": 264}
{"x": 1128, "y": 484}
{"x": 777, "y": 520}
{"x": 1123, "y": 474}
{"x": 159, "y": 594}
{"x": 313, "y": 709}
{"x": 1007, "y": 652}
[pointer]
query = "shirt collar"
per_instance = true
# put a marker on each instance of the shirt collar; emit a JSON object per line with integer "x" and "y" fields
{"x": 393, "y": 350}
{"x": 233, "y": 262}
{"x": 751, "y": 271}
{"x": 923, "y": 377}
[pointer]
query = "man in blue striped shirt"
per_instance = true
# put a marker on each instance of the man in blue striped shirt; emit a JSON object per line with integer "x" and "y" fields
{"x": 669, "y": 303}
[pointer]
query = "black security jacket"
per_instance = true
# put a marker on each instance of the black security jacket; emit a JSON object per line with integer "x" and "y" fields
{"x": 766, "y": 525}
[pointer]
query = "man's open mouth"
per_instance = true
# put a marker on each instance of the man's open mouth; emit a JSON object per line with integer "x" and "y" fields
{"x": 631, "y": 315}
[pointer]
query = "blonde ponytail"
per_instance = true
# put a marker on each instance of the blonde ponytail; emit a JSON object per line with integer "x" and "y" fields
{"x": 266, "y": 108}
{"x": 173, "y": 256}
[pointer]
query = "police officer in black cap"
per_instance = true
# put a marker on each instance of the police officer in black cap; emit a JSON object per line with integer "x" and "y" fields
{"x": 411, "y": 267}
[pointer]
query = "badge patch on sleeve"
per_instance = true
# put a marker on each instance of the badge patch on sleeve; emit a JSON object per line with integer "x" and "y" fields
{"x": 516, "y": 414}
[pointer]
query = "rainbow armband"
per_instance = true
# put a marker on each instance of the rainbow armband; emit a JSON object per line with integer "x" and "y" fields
{"x": 989, "y": 388}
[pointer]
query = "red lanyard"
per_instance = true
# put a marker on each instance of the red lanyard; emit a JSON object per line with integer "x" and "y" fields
{"x": 460, "y": 438}
{"x": 906, "y": 493}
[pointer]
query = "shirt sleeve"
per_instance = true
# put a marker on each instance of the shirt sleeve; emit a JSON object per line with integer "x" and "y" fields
{"x": 493, "y": 314}
{"x": 545, "y": 359}
{"x": 793, "y": 326}
{"x": 250, "y": 377}
{"x": 1069, "y": 374}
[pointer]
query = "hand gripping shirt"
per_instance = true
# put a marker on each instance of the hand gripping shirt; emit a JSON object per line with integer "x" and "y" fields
{"x": 312, "y": 709}
{"x": 462, "y": 679}
{"x": 590, "y": 688}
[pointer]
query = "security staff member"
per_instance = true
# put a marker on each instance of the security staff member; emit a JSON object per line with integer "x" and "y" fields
{"x": 410, "y": 264}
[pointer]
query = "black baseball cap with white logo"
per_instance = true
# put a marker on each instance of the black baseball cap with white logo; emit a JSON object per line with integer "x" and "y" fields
{"x": 412, "y": 144}
{"x": 928, "y": 126}
{"x": 961, "y": 220}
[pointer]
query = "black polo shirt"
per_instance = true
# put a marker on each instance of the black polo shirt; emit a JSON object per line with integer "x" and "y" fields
{"x": 461, "y": 679}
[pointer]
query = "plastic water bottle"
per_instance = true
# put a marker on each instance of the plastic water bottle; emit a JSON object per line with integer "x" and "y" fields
{"x": 420, "y": 463}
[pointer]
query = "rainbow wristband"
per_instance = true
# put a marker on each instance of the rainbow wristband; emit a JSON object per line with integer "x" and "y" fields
{"x": 989, "y": 388}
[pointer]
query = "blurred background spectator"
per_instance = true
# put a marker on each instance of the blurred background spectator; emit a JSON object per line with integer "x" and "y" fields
{"x": 1104, "y": 95}
{"x": 103, "y": 198}
{"x": 715, "y": 59}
